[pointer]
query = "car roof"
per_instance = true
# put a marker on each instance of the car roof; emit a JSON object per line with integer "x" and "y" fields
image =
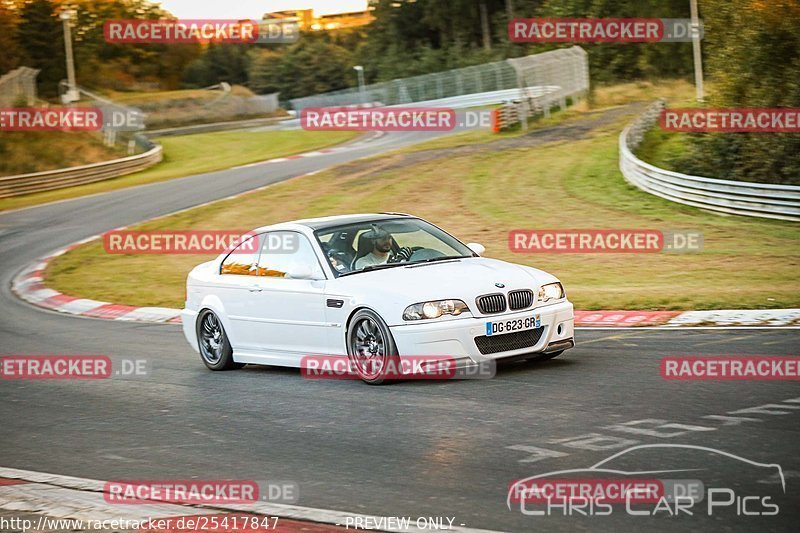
{"x": 338, "y": 220}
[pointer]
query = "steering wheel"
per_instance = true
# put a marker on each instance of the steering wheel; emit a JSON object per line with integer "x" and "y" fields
{"x": 339, "y": 261}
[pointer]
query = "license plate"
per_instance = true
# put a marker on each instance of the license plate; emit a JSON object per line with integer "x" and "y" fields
{"x": 510, "y": 326}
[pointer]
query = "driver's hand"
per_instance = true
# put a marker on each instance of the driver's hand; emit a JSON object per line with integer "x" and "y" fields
{"x": 403, "y": 254}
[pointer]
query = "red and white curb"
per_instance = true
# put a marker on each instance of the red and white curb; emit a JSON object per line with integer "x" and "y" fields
{"x": 29, "y": 285}
{"x": 719, "y": 318}
{"x": 65, "y": 497}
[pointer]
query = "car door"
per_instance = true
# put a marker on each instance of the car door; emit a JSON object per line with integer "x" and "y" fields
{"x": 287, "y": 314}
{"x": 235, "y": 280}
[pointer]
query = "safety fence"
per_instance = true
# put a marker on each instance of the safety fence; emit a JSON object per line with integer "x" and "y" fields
{"x": 18, "y": 85}
{"x": 724, "y": 196}
{"x": 536, "y": 81}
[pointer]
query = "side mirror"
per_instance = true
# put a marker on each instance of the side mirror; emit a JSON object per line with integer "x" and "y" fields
{"x": 303, "y": 272}
{"x": 477, "y": 248}
{"x": 300, "y": 272}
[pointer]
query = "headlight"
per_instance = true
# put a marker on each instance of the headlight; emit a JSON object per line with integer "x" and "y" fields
{"x": 551, "y": 291}
{"x": 428, "y": 310}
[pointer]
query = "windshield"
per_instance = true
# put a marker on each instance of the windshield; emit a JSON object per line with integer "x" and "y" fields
{"x": 386, "y": 243}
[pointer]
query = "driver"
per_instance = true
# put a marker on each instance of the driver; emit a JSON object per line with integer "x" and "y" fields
{"x": 382, "y": 250}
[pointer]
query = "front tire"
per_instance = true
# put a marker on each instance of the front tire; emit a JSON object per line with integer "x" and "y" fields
{"x": 371, "y": 348}
{"x": 215, "y": 349}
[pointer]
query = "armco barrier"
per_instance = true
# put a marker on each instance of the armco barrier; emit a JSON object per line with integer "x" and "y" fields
{"x": 724, "y": 196}
{"x": 67, "y": 177}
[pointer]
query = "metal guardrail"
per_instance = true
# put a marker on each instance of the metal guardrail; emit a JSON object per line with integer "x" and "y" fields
{"x": 67, "y": 177}
{"x": 724, "y": 196}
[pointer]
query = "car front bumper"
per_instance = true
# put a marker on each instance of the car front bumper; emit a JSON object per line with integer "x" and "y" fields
{"x": 456, "y": 338}
{"x": 189, "y": 320}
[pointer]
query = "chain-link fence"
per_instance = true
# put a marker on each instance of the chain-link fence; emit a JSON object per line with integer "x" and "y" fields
{"x": 561, "y": 73}
{"x": 18, "y": 85}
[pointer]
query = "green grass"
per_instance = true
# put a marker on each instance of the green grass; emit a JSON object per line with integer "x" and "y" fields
{"x": 23, "y": 152}
{"x": 678, "y": 92}
{"x": 165, "y": 97}
{"x": 662, "y": 148}
{"x": 480, "y": 197}
{"x": 193, "y": 154}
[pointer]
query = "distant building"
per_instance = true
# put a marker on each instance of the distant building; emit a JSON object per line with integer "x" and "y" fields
{"x": 306, "y": 20}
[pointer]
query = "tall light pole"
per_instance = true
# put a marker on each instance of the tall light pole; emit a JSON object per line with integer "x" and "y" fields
{"x": 72, "y": 88}
{"x": 698, "y": 57}
{"x": 360, "y": 70}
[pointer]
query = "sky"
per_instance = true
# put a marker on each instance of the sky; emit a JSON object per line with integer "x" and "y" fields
{"x": 236, "y": 9}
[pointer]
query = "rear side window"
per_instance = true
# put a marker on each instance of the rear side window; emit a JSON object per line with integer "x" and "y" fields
{"x": 243, "y": 260}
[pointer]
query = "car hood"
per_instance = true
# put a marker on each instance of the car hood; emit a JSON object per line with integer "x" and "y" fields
{"x": 391, "y": 290}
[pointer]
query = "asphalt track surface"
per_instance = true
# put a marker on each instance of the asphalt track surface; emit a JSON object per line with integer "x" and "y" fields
{"x": 447, "y": 449}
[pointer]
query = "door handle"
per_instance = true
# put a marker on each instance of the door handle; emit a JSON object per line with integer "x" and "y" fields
{"x": 255, "y": 289}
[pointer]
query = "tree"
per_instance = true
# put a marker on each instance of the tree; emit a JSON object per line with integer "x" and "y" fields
{"x": 609, "y": 62}
{"x": 220, "y": 62}
{"x": 753, "y": 50}
{"x": 122, "y": 66}
{"x": 264, "y": 67}
{"x": 41, "y": 37}
{"x": 11, "y": 57}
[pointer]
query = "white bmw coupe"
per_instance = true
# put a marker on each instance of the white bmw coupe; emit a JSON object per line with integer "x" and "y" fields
{"x": 373, "y": 288}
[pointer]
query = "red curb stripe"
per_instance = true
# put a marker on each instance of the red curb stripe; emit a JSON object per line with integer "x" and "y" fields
{"x": 57, "y": 301}
{"x": 624, "y": 318}
{"x": 5, "y": 482}
{"x": 109, "y": 311}
{"x": 176, "y": 320}
{"x": 33, "y": 287}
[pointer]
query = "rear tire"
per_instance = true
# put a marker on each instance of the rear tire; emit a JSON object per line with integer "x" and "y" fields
{"x": 215, "y": 349}
{"x": 371, "y": 348}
